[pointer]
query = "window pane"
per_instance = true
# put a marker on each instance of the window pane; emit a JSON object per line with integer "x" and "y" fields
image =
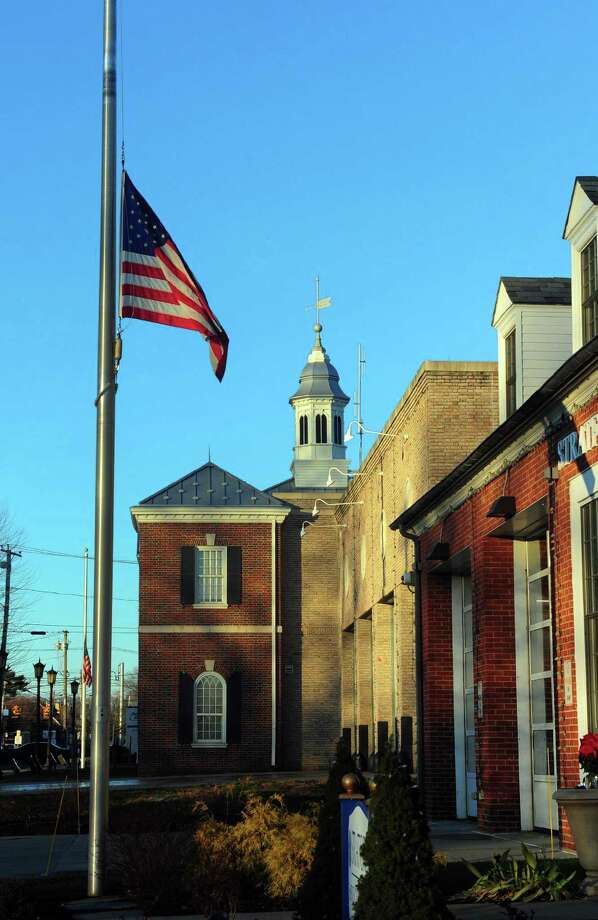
{"x": 543, "y": 752}
{"x": 537, "y": 559}
{"x": 468, "y": 629}
{"x": 539, "y": 600}
{"x": 540, "y": 654}
{"x": 542, "y": 699}
{"x": 468, "y": 669}
{"x": 470, "y": 754}
{"x": 467, "y": 592}
{"x": 469, "y": 713}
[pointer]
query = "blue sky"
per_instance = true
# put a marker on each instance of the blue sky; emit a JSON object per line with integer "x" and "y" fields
{"x": 409, "y": 153}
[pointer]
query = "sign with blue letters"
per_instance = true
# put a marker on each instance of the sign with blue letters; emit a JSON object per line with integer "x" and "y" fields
{"x": 354, "y": 826}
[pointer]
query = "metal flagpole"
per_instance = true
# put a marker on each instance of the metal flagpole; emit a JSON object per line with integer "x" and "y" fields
{"x": 102, "y": 608}
{"x": 83, "y": 686}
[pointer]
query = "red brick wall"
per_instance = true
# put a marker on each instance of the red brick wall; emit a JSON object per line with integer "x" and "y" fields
{"x": 494, "y": 659}
{"x": 163, "y": 656}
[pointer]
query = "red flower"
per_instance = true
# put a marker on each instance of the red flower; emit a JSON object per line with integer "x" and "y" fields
{"x": 589, "y": 745}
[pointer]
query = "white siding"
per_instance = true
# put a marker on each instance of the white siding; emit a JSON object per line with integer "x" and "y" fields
{"x": 545, "y": 344}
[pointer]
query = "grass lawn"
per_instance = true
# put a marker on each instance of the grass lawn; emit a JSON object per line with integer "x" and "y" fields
{"x": 146, "y": 810}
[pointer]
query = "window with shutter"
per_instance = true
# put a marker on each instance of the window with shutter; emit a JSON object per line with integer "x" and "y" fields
{"x": 211, "y": 576}
{"x": 210, "y": 710}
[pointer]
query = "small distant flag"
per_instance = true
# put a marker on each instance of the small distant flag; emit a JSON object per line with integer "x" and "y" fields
{"x": 157, "y": 284}
{"x": 86, "y": 666}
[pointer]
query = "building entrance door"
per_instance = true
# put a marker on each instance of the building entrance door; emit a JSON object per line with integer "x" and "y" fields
{"x": 469, "y": 701}
{"x": 541, "y": 685}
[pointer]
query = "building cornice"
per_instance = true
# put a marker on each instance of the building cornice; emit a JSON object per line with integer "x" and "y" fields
{"x": 152, "y": 514}
{"x": 547, "y": 410}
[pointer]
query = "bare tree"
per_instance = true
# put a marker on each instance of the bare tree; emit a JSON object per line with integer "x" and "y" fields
{"x": 19, "y": 640}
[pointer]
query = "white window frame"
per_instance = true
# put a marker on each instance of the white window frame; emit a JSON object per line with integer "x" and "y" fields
{"x": 212, "y": 605}
{"x": 209, "y": 742}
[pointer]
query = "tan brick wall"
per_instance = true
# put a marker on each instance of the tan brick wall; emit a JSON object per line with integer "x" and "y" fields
{"x": 445, "y": 412}
{"x": 311, "y": 639}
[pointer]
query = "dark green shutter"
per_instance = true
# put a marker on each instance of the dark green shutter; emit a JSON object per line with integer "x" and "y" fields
{"x": 234, "y": 564}
{"x": 233, "y": 709}
{"x": 185, "y": 720}
{"x": 187, "y": 574}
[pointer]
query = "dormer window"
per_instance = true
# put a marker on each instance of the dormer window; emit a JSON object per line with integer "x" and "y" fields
{"x": 510, "y": 373}
{"x": 321, "y": 429}
{"x": 303, "y": 429}
{"x": 338, "y": 430}
{"x": 589, "y": 291}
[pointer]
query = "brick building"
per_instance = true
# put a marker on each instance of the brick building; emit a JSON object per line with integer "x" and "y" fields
{"x": 506, "y": 563}
{"x": 243, "y": 661}
{"x": 238, "y": 614}
{"x": 416, "y": 449}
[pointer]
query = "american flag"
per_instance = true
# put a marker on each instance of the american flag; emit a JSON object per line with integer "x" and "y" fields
{"x": 86, "y": 666}
{"x": 157, "y": 284}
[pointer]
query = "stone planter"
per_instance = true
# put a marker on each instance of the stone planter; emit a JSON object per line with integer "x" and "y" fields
{"x": 581, "y": 806}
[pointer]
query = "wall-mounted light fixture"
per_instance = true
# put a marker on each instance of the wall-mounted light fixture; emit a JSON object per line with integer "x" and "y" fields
{"x": 315, "y": 510}
{"x": 307, "y": 524}
{"x": 384, "y": 434}
{"x": 348, "y": 473}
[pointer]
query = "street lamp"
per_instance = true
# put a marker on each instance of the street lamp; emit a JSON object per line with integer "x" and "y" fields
{"x": 38, "y": 669}
{"x": 74, "y": 688}
{"x": 51, "y": 681}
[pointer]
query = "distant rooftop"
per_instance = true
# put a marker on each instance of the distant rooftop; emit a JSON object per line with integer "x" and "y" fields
{"x": 213, "y": 487}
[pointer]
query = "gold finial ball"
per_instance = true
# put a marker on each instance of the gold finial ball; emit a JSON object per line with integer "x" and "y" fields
{"x": 317, "y": 327}
{"x": 350, "y": 783}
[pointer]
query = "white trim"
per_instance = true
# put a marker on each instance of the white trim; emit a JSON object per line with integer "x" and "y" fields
{"x": 181, "y": 514}
{"x": 581, "y": 488}
{"x": 524, "y": 751}
{"x": 458, "y": 696}
{"x": 209, "y": 742}
{"x": 273, "y": 640}
{"x": 173, "y": 628}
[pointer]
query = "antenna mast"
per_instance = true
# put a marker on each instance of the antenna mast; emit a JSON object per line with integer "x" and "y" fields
{"x": 360, "y": 372}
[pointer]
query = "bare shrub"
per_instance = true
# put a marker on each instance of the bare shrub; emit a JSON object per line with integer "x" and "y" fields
{"x": 152, "y": 869}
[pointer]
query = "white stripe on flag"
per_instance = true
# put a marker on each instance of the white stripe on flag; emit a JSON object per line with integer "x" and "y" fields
{"x": 158, "y": 284}
{"x": 169, "y": 309}
{"x": 141, "y": 259}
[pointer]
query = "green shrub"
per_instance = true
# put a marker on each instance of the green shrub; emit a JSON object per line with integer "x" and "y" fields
{"x": 532, "y": 879}
{"x": 400, "y": 879}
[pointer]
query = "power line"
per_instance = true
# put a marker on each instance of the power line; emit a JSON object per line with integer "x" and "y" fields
{"x": 130, "y": 600}
{"x": 54, "y": 552}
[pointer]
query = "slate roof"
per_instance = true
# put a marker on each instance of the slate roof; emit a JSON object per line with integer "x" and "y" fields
{"x": 210, "y": 486}
{"x": 590, "y": 186}
{"x": 538, "y": 290}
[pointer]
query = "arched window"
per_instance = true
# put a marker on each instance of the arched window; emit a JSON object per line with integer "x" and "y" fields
{"x": 303, "y": 429}
{"x": 321, "y": 429}
{"x": 338, "y": 431}
{"x": 209, "y": 727}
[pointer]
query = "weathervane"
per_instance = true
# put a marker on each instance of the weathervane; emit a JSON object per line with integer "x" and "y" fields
{"x": 320, "y": 304}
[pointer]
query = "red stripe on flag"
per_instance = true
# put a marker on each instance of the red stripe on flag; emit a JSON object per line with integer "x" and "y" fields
{"x": 168, "y": 319}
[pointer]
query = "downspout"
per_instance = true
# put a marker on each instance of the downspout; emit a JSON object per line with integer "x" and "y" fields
{"x": 552, "y": 582}
{"x": 419, "y": 682}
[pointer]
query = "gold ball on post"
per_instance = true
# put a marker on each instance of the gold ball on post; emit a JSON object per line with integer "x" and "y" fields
{"x": 350, "y": 783}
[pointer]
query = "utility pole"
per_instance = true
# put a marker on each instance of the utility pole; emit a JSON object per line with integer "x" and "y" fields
{"x": 83, "y": 684}
{"x": 3, "y": 653}
{"x": 65, "y": 649}
{"x": 121, "y": 702}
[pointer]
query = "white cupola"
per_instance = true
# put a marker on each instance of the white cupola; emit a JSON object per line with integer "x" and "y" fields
{"x": 319, "y": 405}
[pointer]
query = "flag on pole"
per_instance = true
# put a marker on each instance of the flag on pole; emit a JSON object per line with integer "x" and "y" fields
{"x": 157, "y": 284}
{"x": 86, "y": 665}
